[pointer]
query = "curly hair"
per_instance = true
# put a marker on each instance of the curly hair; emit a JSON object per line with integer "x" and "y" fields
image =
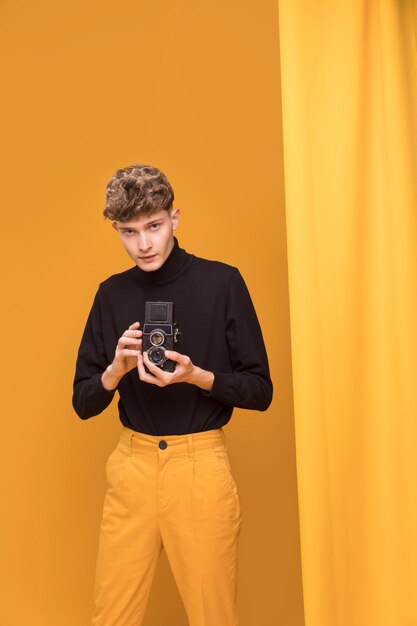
{"x": 137, "y": 190}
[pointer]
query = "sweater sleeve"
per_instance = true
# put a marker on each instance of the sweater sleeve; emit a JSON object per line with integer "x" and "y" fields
{"x": 249, "y": 386}
{"x": 89, "y": 396}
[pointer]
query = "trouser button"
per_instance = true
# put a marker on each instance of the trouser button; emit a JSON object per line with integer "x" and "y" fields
{"x": 163, "y": 444}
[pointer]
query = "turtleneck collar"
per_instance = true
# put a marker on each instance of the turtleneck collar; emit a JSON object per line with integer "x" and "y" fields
{"x": 174, "y": 264}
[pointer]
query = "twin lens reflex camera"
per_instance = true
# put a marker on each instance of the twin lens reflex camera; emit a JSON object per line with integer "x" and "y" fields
{"x": 159, "y": 333}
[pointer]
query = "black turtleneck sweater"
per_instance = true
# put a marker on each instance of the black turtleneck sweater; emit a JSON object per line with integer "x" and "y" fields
{"x": 219, "y": 332}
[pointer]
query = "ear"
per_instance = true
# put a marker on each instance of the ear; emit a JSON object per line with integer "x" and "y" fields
{"x": 114, "y": 225}
{"x": 175, "y": 217}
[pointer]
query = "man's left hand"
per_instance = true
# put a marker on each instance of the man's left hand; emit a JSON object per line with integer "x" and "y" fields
{"x": 185, "y": 372}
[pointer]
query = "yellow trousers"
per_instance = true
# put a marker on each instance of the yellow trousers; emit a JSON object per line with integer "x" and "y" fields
{"x": 175, "y": 492}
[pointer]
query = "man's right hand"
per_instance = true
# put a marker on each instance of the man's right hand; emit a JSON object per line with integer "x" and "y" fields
{"x": 125, "y": 359}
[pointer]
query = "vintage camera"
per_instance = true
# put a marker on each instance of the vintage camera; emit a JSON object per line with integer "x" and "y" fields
{"x": 159, "y": 333}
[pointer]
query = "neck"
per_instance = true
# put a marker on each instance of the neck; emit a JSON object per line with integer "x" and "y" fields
{"x": 175, "y": 263}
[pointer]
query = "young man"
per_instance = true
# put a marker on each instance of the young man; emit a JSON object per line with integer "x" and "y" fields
{"x": 170, "y": 484}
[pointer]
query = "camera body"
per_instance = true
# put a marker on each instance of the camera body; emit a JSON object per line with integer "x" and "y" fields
{"x": 159, "y": 333}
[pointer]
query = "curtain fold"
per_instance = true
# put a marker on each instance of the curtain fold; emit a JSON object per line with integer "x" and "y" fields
{"x": 349, "y": 90}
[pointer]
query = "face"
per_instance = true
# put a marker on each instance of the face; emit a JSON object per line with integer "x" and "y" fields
{"x": 148, "y": 240}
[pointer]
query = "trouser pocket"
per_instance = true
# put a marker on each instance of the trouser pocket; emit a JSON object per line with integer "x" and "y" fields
{"x": 222, "y": 465}
{"x": 116, "y": 466}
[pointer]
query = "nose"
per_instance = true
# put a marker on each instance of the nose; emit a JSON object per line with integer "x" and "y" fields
{"x": 143, "y": 243}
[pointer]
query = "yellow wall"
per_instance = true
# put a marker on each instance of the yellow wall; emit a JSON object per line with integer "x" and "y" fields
{"x": 192, "y": 87}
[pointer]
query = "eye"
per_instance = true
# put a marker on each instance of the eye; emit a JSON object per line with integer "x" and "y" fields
{"x": 154, "y": 226}
{"x": 128, "y": 231}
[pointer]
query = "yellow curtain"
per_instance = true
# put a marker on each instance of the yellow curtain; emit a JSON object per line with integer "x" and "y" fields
{"x": 349, "y": 85}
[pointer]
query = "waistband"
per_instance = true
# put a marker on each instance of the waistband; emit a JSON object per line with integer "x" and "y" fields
{"x": 172, "y": 444}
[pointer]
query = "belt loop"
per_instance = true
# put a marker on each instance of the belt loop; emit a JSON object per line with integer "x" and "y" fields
{"x": 130, "y": 442}
{"x": 224, "y": 438}
{"x": 190, "y": 447}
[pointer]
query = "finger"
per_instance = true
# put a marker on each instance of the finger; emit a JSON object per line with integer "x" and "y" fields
{"x": 176, "y": 356}
{"x": 126, "y": 341}
{"x": 120, "y": 351}
{"x": 126, "y": 352}
{"x": 132, "y": 333}
{"x": 156, "y": 371}
{"x": 144, "y": 375}
{"x": 134, "y": 325}
{"x": 131, "y": 345}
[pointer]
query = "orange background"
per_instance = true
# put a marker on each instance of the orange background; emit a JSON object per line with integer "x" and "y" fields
{"x": 193, "y": 88}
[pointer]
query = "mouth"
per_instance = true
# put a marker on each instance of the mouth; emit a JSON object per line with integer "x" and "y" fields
{"x": 148, "y": 258}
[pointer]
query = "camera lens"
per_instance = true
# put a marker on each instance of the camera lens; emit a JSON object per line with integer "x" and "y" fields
{"x": 156, "y": 355}
{"x": 157, "y": 337}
